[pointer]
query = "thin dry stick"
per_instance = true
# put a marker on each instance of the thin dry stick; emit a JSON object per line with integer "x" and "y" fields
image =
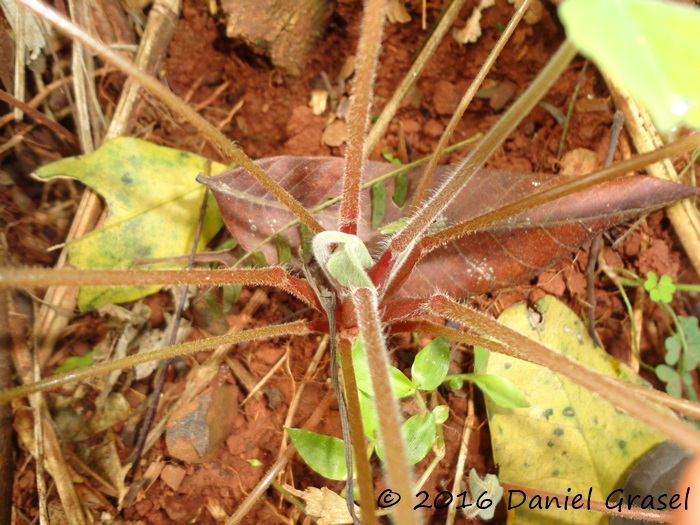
{"x": 392, "y": 258}
{"x": 36, "y": 101}
{"x": 683, "y": 215}
{"x": 162, "y": 93}
{"x": 20, "y": 60}
{"x": 281, "y": 462}
{"x": 522, "y": 347}
{"x": 469, "y": 423}
{"x": 399, "y": 476}
{"x": 280, "y": 330}
{"x": 310, "y": 372}
{"x": 428, "y": 51}
{"x": 159, "y": 30}
{"x": 79, "y": 66}
{"x": 365, "y": 70}
{"x": 464, "y": 103}
{"x": 7, "y": 470}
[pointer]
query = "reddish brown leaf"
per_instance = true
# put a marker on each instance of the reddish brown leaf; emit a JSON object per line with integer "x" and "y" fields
{"x": 504, "y": 255}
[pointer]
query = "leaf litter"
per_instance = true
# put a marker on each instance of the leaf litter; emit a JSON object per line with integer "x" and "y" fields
{"x": 205, "y": 481}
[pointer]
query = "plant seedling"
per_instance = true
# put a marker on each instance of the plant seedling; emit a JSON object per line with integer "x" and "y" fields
{"x": 371, "y": 290}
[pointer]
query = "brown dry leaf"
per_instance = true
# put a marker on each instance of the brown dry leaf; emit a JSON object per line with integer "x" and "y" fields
{"x": 335, "y": 133}
{"x": 471, "y": 32}
{"x": 324, "y": 504}
{"x": 396, "y": 12}
{"x": 503, "y": 255}
{"x": 579, "y": 162}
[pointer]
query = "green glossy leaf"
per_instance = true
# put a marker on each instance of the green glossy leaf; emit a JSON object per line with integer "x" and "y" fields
{"x": 378, "y": 205}
{"x": 418, "y": 433}
{"x": 324, "y": 454}
{"x": 153, "y": 200}
{"x": 649, "y": 47}
{"x": 500, "y": 390}
{"x": 456, "y": 383}
{"x": 431, "y": 364}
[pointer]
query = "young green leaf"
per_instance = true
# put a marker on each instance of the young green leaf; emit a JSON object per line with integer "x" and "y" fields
{"x": 660, "y": 290}
{"x": 501, "y": 391}
{"x": 431, "y": 364}
{"x": 401, "y": 386}
{"x": 378, "y": 205}
{"x": 75, "y": 362}
{"x": 400, "y": 189}
{"x": 348, "y": 262}
{"x": 441, "y": 413}
{"x": 418, "y": 433}
{"x": 284, "y": 251}
{"x": 670, "y": 376}
{"x": 324, "y": 454}
{"x": 481, "y": 359}
{"x": 649, "y": 47}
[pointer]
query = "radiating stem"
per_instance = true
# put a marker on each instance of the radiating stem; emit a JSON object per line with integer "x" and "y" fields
{"x": 357, "y": 435}
{"x": 604, "y": 386}
{"x": 444, "y": 25}
{"x": 280, "y": 330}
{"x": 273, "y": 276}
{"x": 464, "y": 103}
{"x": 399, "y": 475}
{"x": 392, "y": 257}
{"x": 556, "y": 191}
{"x": 162, "y": 93}
{"x": 365, "y": 69}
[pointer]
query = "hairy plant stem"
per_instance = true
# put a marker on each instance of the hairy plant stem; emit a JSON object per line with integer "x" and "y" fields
{"x": 391, "y": 259}
{"x": 273, "y": 276}
{"x": 167, "y": 97}
{"x": 558, "y": 190}
{"x": 608, "y": 388}
{"x": 365, "y": 70}
{"x": 684, "y": 407}
{"x": 464, "y": 103}
{"x": 399, "y": 475}
{"x": 280, "y": 330}
{"x": 357, "y": 435}
{"x": 443, "y": 26}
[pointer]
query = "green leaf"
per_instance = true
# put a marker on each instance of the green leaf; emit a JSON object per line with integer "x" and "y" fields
{"x": 441, "y": 413}
{"x": 75, "y": 362}
{"x": 670, "y": 376}
{"x": 153, "y": 200}
{"x": 284, "y": 250}
{"x": 660, "y": 290}
{"x": 481, "y": 358}
{"x": 418, "y": 433}
{"x": 348, "y": 262}
{"x": 456, "y": 383}
{"x": 324, "y": 454}
{"x": 431, "y": 364}
{"x": 568, "y": 438}
{"x": 673, "y": 349}
{"x": 649, "y": 47}
{"x": 401, "y": 386}
{"x": 690, "y": 328}
{"x": 378, "y": 205}
{"x": 370, "y": 423}
{"x": 500, "y": 390}
{"x": 400, "y": 189}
